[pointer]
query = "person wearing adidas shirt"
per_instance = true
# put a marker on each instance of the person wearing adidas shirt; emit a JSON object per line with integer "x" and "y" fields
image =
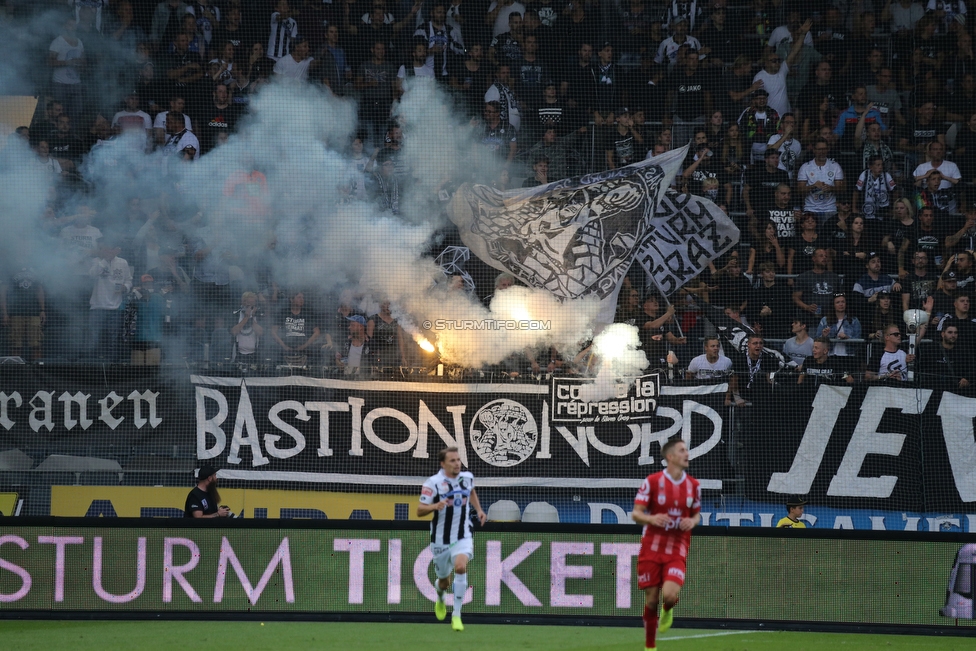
{"x": 450, "y": 496}
{"x": 819, "y": 181}
{"x": 220, "y": 117}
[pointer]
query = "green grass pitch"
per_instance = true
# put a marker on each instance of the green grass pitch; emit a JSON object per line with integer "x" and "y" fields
{"x": 19, "y": 635}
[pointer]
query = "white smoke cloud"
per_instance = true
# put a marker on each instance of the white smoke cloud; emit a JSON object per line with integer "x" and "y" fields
{"x": 297, "y": 135}
{"x": 617, "y": 349}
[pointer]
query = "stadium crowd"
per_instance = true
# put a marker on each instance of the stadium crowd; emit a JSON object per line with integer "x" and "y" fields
{"x": 840, "y": 136}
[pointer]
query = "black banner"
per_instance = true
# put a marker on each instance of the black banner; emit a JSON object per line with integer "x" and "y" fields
{"x": 852, "y": 447}
{"x": 881, "y": 447}
{"x": 390, "y": 432}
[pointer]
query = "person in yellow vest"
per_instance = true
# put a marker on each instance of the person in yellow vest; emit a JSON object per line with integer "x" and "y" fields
{"x": 794, "y": 511}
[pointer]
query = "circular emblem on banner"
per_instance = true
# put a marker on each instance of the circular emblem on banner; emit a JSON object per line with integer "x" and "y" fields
{"x": 504, "y": 433}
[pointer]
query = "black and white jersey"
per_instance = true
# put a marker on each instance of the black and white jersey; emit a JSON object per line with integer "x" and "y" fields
{"x": 454, "y": 522}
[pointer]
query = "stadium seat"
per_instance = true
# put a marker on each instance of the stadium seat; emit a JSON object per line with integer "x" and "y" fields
{"x": 540, "y": 512}
{"x": 8, "y": 503}
{"x": 504, "y": 511}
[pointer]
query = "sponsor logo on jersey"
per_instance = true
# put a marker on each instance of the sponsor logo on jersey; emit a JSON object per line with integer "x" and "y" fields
{"x": 427, "y": 491}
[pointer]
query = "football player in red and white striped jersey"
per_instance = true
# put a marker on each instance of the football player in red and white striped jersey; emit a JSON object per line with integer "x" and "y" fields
{"x": 668, "y": 504}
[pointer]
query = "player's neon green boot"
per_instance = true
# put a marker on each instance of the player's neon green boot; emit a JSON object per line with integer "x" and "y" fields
{"x": 456, "y": 624}
{"x": 667, "y": 618}
{"x": 440, "y": 608}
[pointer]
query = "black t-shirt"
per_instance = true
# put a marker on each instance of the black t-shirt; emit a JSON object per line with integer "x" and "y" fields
{"x": 803, "y": 251}
{"x": 732, "y": 291}
{"x": 199, "y": 500}
{"x": 966, "y": 140}
{"x": 688, "y": 99}
{"x": 643, "y": 93}
{"x": 779, "y": 300}
{"x": 215, "y": 120}
{"x": 831, "y": 371}
{"x": 294, "y": 329}
{"x": 762, "y": 186}
{"x": 919, "y": 288}
{"x": 753, "y": 378}
{"x": 622, "y": 146}
{"x": 818, "y": 288}
{"x": 931, "y": 241}
{"x": 582, "y": 85}
{"x": 22, "y": 294}
{"x": 785, "y": 221}
{"x": 920, "y": 134}
{"x": 942, "y": 368}
{"x": 812, "y": 94}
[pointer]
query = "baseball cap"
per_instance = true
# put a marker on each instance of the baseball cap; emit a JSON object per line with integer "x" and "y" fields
{"x": 770, "y": 152}
{"x": 358, "y": 318}
{"x": 206, "y": 472}
{"x": 872, "y": 255}
{"x": 146, "y": 278}
{"x": 760, "y": 92}
{"x": 949, "y": 275}
{"x": 795, "y": 500}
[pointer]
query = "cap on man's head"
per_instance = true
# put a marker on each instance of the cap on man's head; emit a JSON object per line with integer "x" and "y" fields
{"x": 771, "y": 152}
{"x": 358, "y": 318}
{"x": 760, "y": 92}
{"x": 146, "y": 278}
{"x": 795, "y": 500}
{"x": 949, "y": 275}
{"x": 206, "y": 472}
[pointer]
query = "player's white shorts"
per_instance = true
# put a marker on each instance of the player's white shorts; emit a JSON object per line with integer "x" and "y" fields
{"x": 444, "y": 556}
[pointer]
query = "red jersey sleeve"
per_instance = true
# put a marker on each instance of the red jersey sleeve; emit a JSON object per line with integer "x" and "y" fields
{"x": 643, "y": 496}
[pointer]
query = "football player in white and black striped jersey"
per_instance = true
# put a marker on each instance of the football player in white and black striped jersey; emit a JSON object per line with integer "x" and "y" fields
{"x": 450, "y": 496}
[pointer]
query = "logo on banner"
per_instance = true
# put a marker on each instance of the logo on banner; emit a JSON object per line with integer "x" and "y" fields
{"x": 504, "y": 433}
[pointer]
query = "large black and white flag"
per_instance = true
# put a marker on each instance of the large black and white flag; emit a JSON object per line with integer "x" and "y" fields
{"x": 578, "y": 237}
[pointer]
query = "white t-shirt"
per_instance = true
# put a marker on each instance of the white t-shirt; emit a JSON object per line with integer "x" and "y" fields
{"x": 829, "y": 173}
{"x": 948, "y": 169}
{"x": 891, "y": 362}
{"x": 176, "y": 144}
{"x": 288, "y": 68}
{"x": 80, "y": 241}
{"x": 426, "y": 70}
{"x": 160, "y": 121}
{"x": 789, "y": 153}
{"x": 113, "y": 280}
{"x": 877, "y": 192}
{"x": 130, "y": 120}
{"x": 501, "y": 20}
{"x": 703, "y": 369}
{"x": 247, "y": 339}
{"x": 668, "y": 50}
{"x": 775, "y": 85}
{"x": 67, "y": 52}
